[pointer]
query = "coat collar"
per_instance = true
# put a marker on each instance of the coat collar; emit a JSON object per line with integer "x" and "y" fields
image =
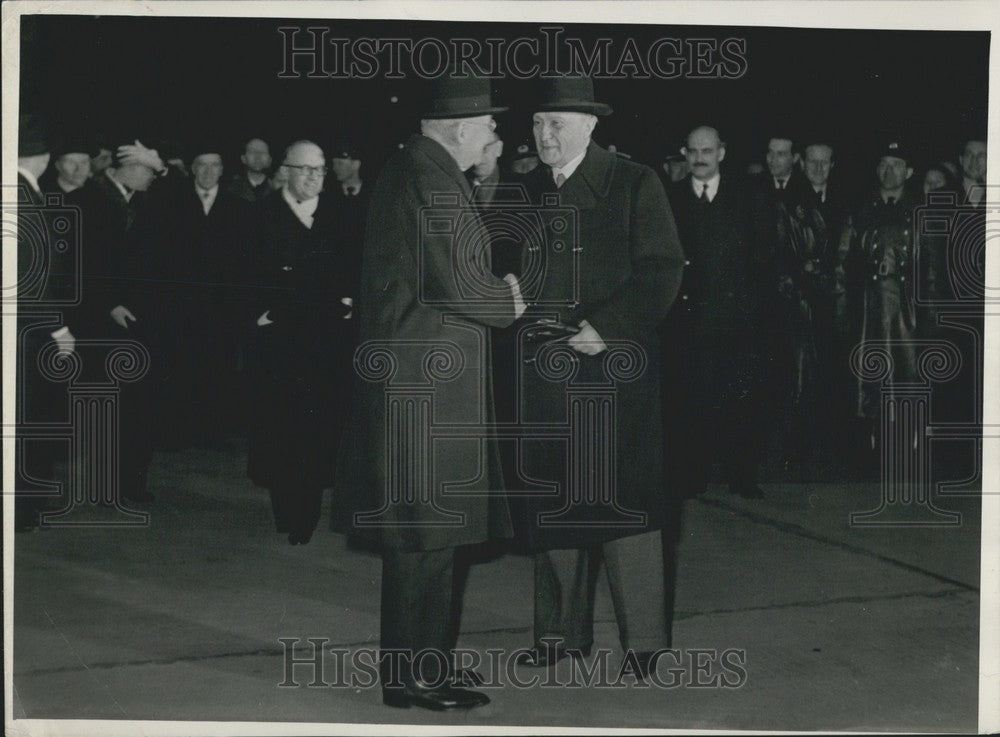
{"x": 442, "y": 159}
{"x": 591, "y": 181}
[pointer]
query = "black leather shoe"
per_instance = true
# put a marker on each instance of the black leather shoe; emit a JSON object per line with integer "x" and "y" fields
{"x": 442, "y": 698}
{"x": 544, "y": 657}
{"x": 466, "y": 678}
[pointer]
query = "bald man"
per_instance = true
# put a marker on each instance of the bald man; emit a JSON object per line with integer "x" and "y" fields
{"x": 299, "y": 344}
{"x": 707, "y": 380}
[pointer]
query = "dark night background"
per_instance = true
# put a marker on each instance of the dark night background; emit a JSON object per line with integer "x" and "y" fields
{"x": 183, "y": 78}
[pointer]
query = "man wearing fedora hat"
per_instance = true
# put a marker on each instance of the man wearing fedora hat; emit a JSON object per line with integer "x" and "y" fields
{"x": 614, "y": 287}
{"x": 426, "y": 301}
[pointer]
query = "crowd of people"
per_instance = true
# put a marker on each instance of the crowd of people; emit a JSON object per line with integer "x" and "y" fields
{"x": 270, "y": 301}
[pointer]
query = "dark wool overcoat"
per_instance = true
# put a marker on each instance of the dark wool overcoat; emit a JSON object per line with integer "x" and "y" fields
{"x": 609, "y": 254}
{"x": 422, "y": 470}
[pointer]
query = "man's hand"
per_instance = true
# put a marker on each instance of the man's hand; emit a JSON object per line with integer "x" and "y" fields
{"x": 121, "y": 315}
{"x": 587, "y": 340}
{"x": 138, "y": 154}
{"x": 264, "y": 319}
{"x": 65, "y": 342}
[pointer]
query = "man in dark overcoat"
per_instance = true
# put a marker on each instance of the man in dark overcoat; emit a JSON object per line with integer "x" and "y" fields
{"x": 124, "y": 216}
{"x": 883, "y": 249}
{"x": 298, "y": 400}
{"x": 208, "y": 244}
{"x": 612, "y": 281}
{"x": 44, "y": 283}
{"x": 426, "y": 302}
{"x": 710, "y": 379}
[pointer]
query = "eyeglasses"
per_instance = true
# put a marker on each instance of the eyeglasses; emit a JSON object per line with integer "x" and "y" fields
{"x": 308, "y": 170}
{"x": 491, "y": 124}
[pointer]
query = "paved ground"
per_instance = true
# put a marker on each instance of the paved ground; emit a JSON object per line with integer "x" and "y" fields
{"x": 829, "y": 626}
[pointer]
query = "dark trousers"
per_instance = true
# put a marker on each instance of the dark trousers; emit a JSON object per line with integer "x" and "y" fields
{"x": 296, "y": 508}
{"x": 564, "y": 592}
{"x": 416, "y": 614}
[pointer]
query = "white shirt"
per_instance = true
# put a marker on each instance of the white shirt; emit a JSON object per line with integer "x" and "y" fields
{"x": 713, "y": 186}
{"x": 781, "y": 183}
{"x": 567, "y": 171}
{"x": 821, "y": 192}
{"x": 303, "y": 210}
{"x": 32, "y": 180}
{"x": 121, "y": 188}
{"x": 974, "y": 191}
{"x": 207, "y": 197}
{"x": 356, "y": 187}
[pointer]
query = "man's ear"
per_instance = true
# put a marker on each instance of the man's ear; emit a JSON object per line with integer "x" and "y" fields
{"x": 722, "y": 152}
{"x": 909, "y": 172}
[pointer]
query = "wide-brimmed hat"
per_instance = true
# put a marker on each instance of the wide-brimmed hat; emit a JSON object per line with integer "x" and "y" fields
{"x": 460, "y": 97}
{"x": 570, "y": 94}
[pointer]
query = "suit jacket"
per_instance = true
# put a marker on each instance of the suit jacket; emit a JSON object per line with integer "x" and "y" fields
{"x": 609, "y": 254}
{"x": 426, "y": 302}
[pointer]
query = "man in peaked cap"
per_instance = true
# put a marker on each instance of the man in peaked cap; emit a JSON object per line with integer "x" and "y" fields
{"x": 613, "y": 287}
{"x": 427, "y": 301}
{"x": 883, "y": 249}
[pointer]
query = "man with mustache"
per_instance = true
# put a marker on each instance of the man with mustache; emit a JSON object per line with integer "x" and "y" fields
{"x": 709, "y": 382}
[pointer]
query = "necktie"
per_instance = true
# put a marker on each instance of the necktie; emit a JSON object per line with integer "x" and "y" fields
{"x": 204, "y": 201}
{"x": 890, "y": 201}
{"x": 704, "y": 192}
{"x": 781, "y": 185}
{"x": 560, "y": 179}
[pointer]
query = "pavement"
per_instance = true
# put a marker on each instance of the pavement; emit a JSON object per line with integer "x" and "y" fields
{"x": 788, "y": 617}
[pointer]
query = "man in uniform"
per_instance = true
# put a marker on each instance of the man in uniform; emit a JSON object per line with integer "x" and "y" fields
{"x": 610, "y": 289}
{"x": 882, "y": 251}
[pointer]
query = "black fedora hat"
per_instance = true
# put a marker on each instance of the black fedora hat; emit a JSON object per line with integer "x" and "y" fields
{"x": 460, "y": 97}
{"x": 570, "y": 94}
